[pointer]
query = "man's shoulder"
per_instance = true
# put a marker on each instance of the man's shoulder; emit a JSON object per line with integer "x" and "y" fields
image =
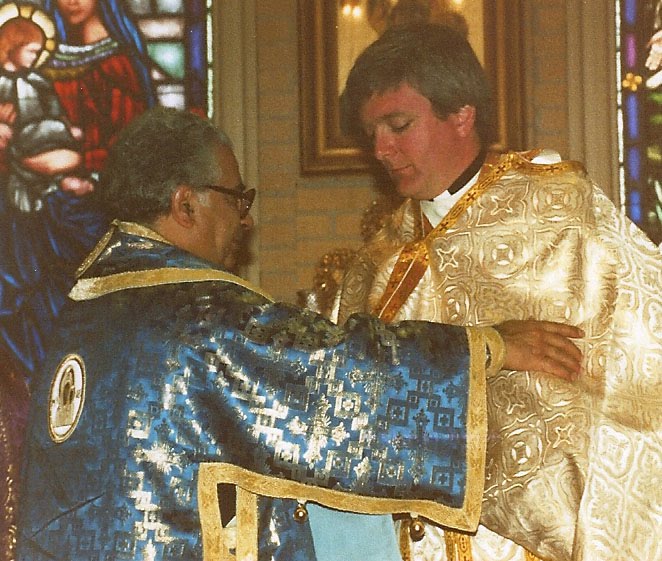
{"x": 168, "y": 291}
{"x": 542, "y": 161}
{"x": 131, "y": 256}
{"x": 546, "y": 156}
{"x": 542, "y": 170}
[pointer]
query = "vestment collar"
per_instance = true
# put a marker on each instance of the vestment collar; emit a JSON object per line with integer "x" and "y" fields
{"x": 131, "y": 255}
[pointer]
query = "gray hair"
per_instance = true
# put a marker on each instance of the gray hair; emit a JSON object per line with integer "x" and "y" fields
{"x": 436, "y": 60}
{"x": 158, "y": 151}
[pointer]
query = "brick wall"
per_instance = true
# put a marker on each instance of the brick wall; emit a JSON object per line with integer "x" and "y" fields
{"x": 545, "y": 58}
{"x": 300, "y": 218}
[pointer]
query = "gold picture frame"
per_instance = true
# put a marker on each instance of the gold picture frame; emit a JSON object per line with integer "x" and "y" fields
{"x": 324, "y": 147}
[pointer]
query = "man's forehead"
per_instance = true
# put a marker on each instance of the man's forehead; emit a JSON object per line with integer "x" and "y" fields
{"x": 393, "y": 103}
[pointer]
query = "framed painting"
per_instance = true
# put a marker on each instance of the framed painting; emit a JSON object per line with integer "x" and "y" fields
{"x": 331, "y": 36}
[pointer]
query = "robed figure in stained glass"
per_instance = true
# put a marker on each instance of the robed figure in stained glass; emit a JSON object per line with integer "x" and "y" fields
{"x": 81, "y": 75}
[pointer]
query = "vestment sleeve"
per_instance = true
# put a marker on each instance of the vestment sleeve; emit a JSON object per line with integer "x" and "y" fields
{"x": 366, "y": 417}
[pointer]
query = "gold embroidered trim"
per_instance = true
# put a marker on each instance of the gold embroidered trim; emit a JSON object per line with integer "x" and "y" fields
{"x": 211, "y": 474}
{"x": 414, "y": 257}
{"x": 405, "y": 546}
{"x": 476, "y": 427}
{"x": 407, "y": 272}
{"x": 88, "y": 289}
{"x": 520, "y": 160}
{"x": 497, "y": 348}
{"x": 94, "y": 287}
{"x": 139, "y": 230}
{"x": 215, "y": 546}
{"x": 96, "y": 251}
{"x": 126, "y": 227}
{"x": 247, "y": 521}
{"x": 458, "y": 546}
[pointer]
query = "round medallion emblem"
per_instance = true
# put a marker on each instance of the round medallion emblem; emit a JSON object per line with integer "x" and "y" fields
{"x": 66, "y": 398}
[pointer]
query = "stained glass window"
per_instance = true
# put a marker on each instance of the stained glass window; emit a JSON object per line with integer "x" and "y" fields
{"x": 99, "y": 65}
{"x": 639, "y": 48}
{"x": 176, "y": 35}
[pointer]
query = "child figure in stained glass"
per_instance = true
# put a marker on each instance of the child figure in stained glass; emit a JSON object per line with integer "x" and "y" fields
{"x": 46, "y": 225}
{"x": 41, "y": 147}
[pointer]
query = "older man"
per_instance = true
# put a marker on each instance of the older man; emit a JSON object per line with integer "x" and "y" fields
{"x": 173, "y": 386}
{"x": 481, "y": 240}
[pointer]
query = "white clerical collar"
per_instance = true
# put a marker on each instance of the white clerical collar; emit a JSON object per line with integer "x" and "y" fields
{"x": 436, "y": 209}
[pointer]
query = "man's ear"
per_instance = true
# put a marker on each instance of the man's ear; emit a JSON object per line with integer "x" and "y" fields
{"x": 182, "y": 206}
{"x": 464, "y": 120}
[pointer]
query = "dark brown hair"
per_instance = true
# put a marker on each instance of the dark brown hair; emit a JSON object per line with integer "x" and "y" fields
{"x": 436, "y": 60}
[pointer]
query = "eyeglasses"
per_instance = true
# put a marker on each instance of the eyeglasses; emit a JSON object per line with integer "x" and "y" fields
{"x": 244, "y": 198}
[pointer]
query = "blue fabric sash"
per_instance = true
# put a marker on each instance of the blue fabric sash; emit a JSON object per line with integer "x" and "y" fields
{"x": 346, "y": 536}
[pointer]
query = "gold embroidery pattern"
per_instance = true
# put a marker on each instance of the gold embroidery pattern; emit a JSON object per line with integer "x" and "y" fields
{"x": 247, "y": 540}
{"x": 464, "y": 517}
{"x": 458, "y": 546}
{"x": 8, "y": 542}
{"x": 544, "y": 242}
{"x": 414, "y": 257}
{"x": 89, "y": 288}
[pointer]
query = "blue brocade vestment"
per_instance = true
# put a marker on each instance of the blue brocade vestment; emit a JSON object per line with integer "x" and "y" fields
{"x": 171, "y": 382}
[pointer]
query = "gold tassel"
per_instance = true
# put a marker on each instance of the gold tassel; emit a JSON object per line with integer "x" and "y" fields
{"x": 405, "y": 549}
{"x": 458, "y": 546}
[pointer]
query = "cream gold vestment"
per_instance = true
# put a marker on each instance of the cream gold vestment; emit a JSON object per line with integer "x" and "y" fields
{"x": 573, "y": 469}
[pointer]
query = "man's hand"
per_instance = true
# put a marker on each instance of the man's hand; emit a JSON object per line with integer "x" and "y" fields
{"x": 541, "y": 345}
